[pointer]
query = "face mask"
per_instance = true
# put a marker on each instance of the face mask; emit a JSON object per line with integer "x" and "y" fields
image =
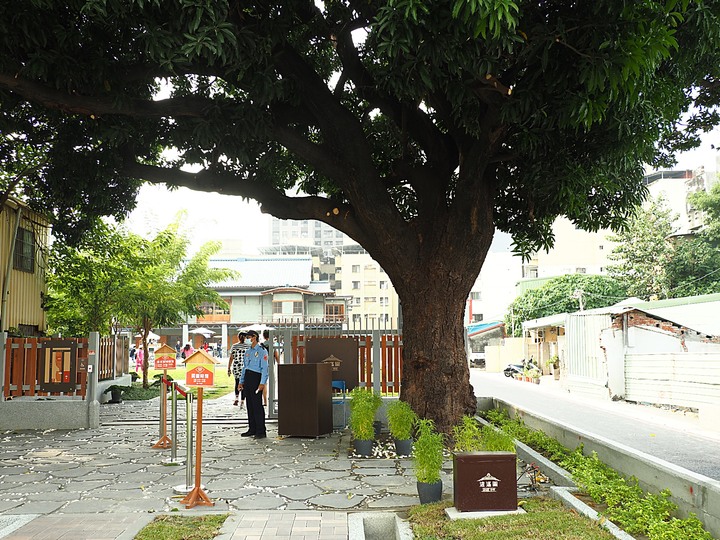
{"x": 248, "y": 342}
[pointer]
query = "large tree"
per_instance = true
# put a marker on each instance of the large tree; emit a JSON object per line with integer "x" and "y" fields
{"x": 166, "y": 286}
{"x": 643, "y": 251}
{"x": 87, "y": 282}
{"x": 414, "y": 126}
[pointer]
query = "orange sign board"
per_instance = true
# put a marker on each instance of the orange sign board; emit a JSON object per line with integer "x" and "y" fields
{"x": 199, "y": 375}
{"x": 165, "y": 361}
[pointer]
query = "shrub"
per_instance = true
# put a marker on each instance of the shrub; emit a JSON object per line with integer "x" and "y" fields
{"x": 401, "y": 419}
{"x": 428, "y": 452}
{"x": 363, "y": 406}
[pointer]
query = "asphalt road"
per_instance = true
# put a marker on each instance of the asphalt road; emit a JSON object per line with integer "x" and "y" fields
{"x": 676, "y": 437}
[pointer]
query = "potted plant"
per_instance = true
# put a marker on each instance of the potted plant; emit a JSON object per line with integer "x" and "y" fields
{"x": 116, "y": 391}
{"x": 401, "y": 421}
{"x": 555, "y": 363}
{"x": 134, "y": 376}
{"x": 428, "y": 461}
{"x": 363, "y": 406}
{"x": 483, "y": 457}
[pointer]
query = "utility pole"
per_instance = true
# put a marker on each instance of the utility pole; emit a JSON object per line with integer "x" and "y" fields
{"x": 578, "y": 293}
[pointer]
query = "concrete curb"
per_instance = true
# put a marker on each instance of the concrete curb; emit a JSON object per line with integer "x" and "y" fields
{"x": 378, "y": 526}
{"x": 565, "y": 495}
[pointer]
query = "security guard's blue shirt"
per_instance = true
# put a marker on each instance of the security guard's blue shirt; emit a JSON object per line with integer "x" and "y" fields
{"x": 256, "y": 359}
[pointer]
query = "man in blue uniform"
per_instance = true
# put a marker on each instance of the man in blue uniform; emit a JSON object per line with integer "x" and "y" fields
{"x": 253, "y": 379}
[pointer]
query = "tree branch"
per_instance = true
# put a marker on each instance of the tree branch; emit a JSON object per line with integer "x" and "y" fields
{"x": 95, "y": 106}
{"x": 271, "y": 200}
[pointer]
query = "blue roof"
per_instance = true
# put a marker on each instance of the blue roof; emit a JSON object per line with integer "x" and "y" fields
{"x": 480, "y": 327}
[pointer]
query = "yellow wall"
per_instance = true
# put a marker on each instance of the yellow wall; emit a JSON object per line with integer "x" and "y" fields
{"x": 499, "y": 356}
{"x": 24, "y": 300}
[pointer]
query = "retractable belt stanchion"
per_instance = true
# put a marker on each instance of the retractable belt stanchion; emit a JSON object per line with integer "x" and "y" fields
{"x": 164, "y": 441}
{"x": 188, "y": 486}
{"x": 199, "y": 373}
{"x": 197, "y": 495}
{"x": 175, "y": 388}
{"x": 165, "y": 358}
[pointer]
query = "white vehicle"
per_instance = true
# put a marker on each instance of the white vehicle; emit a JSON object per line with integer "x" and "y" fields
{"x": 477, "y": 359}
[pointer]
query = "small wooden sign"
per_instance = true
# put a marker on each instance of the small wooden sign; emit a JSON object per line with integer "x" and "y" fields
{"x": 199, "y": 375}
{"x": 165, "y": 357}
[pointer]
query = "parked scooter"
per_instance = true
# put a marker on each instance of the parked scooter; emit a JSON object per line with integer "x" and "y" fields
{"x": 518, "y": 369}
{"x": 514, "y": 369}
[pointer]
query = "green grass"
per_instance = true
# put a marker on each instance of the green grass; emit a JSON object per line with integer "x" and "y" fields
{"x": 183, "y": 528}
{"x": 224, "y": 384}
{"x": 546, "y": 519}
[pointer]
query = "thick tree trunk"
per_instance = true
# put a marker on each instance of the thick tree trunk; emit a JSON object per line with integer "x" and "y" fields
{"x": 436, "y": 378}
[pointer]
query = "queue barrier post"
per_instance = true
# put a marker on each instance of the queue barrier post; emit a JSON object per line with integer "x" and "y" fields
{"x": 176, "y": 389}
{"x": 189, "y": 485}
{"x": 164, "y": 441}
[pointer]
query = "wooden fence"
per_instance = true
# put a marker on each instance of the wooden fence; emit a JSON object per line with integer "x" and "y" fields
{"x": 58, "y": 367}
{"x": 389, "y": 355}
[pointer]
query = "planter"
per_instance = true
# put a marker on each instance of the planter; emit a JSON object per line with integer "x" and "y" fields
{"x": 536, "y": 380}
{"x": 556, "y": 374}
{"x": 403, "y": 447}
{"x": 429, "y": 493}
{"x": 116, "y": 396}
{"x": 363, "y": 448}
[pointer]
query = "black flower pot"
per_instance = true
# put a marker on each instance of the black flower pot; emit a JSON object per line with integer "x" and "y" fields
{"x": 429, "y": 493}
{"x": 403, "y": 447}
{"x": 363, "y": 448}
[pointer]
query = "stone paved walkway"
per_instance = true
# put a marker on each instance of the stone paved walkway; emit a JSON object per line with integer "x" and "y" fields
{"x": 107, "y": 483}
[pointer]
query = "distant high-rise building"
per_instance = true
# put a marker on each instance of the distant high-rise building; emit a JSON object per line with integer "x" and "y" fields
{"x": 306, "y": 232}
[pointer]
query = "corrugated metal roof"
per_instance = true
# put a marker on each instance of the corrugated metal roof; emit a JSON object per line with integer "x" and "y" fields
{"x": 266, "y": 272}
{"x": 476, "y": 329}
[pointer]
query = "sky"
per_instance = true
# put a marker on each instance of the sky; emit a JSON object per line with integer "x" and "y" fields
{"x": 242, "y": 226}
{"x": 210, "y": 216}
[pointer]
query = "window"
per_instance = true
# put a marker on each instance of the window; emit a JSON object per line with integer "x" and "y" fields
{"x": 580, "y": 270}
{"x": 338, "y": 285}
{"x": 356, "y": 268}
{"x": 209, "y": 308}
{"x": 477, "y": 317}
{"x": 334, "y": 312}
{"x": 24, "y": 257}
{"x": 357, "y": 300}
{"x": 475, "y": 295}
{"x": 357, "y": 318}
{"x": 277, "y": 308}
{"x": 297, "y": 308}
{"x": 355, "y": 284}
{"x": 383, "y": 284}
{"x": 384, "y": 301}
{"x": 370, "y": 299}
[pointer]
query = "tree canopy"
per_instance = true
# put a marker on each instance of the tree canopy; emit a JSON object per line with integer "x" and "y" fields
{"x": 414, "y": 126}
{"x": 654, "y": 262}
{"x": 643, "y": 251}
{"x": 113, "y": 277}
{"x": 563, "y": 294}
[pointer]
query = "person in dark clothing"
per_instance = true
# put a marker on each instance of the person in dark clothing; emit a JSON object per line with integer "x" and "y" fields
{"x": 253, "y": 380}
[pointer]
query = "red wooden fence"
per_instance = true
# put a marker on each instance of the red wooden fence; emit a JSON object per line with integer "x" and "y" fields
{"x": 29, "y": 368}
{"x": 390, "y": 360}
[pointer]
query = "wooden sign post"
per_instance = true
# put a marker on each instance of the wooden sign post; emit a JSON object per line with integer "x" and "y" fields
{"x": 164, "y": 359}
{"x": 200, "y": 371}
